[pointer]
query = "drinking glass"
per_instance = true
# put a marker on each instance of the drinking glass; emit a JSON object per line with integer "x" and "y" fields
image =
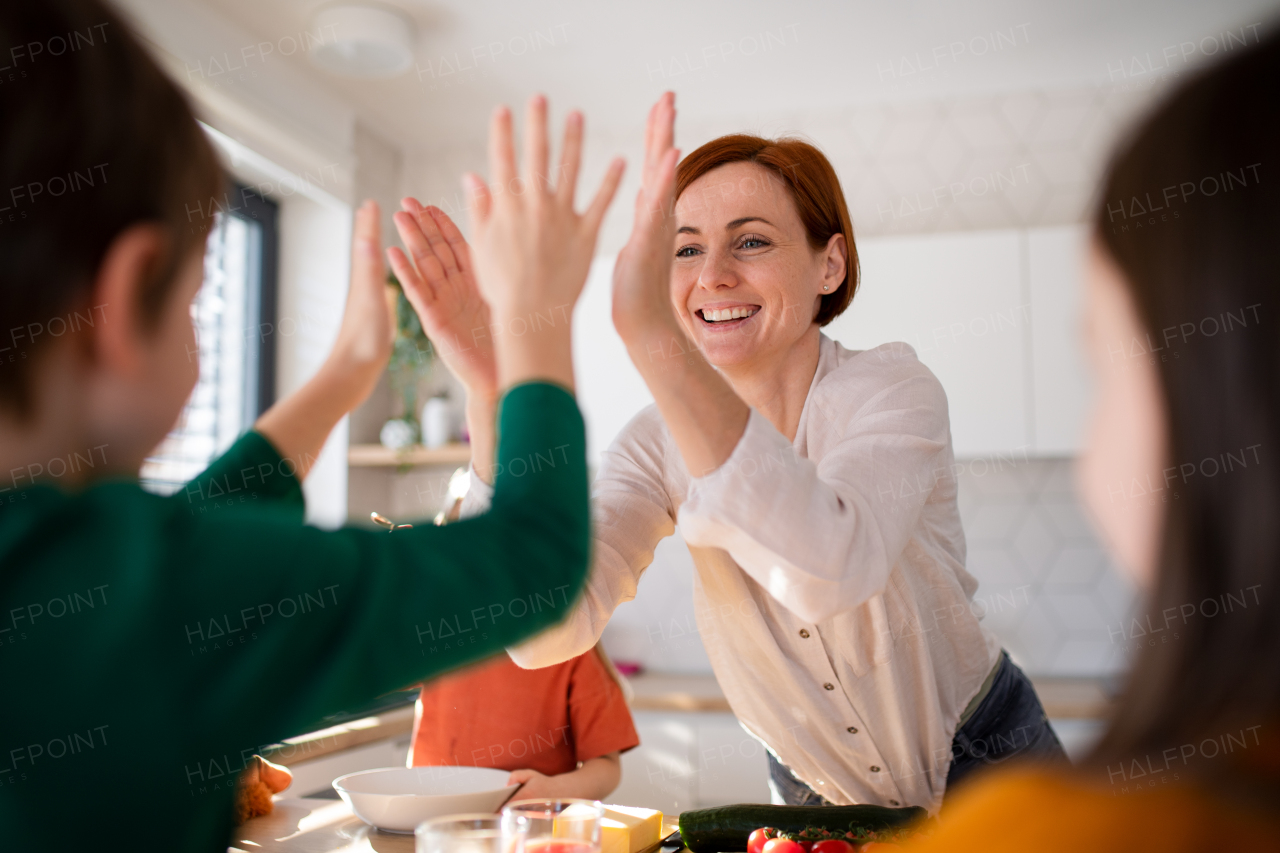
{"x": 468, "y": 833}
{"x": 556, "y": 826}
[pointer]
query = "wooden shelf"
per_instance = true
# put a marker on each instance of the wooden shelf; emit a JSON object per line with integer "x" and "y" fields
{"x": 377, "y": 456}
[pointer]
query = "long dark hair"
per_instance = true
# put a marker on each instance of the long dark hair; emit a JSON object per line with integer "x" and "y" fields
{"x": 1191, "y": 215}
{"x": 94, "y": 138}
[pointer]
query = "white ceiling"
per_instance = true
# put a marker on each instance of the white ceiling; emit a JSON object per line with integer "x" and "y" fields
{"x": 612, "y": 59}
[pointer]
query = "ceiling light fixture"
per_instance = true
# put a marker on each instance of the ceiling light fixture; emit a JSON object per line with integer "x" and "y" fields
{"x": 362, "y": 41}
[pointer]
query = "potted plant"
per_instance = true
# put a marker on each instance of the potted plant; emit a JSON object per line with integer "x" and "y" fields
{"x": 412, "y": 359}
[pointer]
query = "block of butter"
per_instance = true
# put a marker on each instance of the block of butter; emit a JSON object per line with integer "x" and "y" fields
{"x": 629, "y": 830}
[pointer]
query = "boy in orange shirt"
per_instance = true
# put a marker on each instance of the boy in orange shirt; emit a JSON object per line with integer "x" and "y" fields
{"x": 560, "y": 730}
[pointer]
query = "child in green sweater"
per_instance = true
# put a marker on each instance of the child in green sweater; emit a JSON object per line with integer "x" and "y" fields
{"x": 112, "y": 712}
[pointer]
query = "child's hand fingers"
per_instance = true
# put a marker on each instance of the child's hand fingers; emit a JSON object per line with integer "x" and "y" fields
{"x": 366, "y": 257}
{"x": 535, "y": 146}
{"x": 366, "y": 302}
{"x": 502, "y": 161}
{"x": 570, "y": 157}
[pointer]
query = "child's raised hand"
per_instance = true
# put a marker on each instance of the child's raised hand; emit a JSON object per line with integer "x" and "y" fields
{"x": 299, "y": 424}
{"x": 532, "y": 250}
{"x": 439, "y": 281}
{"x": 365, "y": 337}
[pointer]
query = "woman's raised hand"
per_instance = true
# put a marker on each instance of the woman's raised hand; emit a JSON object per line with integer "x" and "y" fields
{"x": 641, "y": 278}
{"x": 440, "y": 283}
{"x": 706, "y": 418}
{"x": 531, "y": 249}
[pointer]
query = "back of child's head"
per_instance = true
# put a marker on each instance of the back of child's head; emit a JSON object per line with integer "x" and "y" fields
{"x": 94, "y": 138}
{"x": 1190, "y": 216}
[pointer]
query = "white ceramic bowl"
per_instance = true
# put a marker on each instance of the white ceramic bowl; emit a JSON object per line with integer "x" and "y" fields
{"x": 397, "y": 799}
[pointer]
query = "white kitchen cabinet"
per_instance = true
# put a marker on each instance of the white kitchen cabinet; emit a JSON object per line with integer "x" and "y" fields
{"x": 1059, "y": 368}
{"x": 732, "y": 766}
{"x": 960, "y": 301}
{"x": 659, "y": 773}
{"x": 692, "y": 760}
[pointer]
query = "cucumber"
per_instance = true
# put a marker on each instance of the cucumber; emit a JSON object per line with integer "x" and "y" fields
{"x": 726, "y": 828}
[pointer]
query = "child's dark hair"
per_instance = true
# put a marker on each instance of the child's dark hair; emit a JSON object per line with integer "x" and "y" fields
{"x": 94, "y": 138}
{"x": 1190, "y": 213}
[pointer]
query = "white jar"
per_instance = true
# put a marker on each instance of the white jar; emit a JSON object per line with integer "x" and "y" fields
{"x": 435, "y": 422}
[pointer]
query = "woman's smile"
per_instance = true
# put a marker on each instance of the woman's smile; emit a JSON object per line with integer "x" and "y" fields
{"x": 720, "y": 317}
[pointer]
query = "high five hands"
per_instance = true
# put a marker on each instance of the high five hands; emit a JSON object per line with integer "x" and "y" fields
{"x": 531, "y": 255}
{"x": 440, "y": 276}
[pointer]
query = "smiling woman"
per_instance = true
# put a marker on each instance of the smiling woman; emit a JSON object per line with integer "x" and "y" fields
{"x": 838, "y": 621}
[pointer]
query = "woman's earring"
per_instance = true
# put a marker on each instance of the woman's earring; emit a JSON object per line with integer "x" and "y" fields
{"x": 825, "y": 286}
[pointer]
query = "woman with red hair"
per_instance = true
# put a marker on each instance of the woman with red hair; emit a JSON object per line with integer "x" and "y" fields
{"x": 813, "y": 483}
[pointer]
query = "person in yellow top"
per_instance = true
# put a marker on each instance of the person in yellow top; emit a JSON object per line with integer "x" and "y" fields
{"x": 1181, "y": 478}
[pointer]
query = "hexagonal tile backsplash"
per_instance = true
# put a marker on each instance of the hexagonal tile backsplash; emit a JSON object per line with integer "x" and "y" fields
{"x": 1048, "y": 589}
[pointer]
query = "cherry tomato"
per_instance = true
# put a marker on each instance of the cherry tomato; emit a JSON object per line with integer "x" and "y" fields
{"x": 757, "y": 839}
{"x": 782, "y": 845}
{"x": 808, "y": 846}
{"x": 833, "y": 845}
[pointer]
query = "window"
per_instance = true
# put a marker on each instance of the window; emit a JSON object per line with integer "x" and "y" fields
{"x": 234, "y": 314}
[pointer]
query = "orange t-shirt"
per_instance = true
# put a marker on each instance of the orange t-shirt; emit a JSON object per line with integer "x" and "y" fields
{"x": 495, "y": 714}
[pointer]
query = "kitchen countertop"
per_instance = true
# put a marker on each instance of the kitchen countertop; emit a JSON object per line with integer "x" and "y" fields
{"x": 324, "y": 826}
{"x": 314, "y": 826}
{"x": 677, "y": 692}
